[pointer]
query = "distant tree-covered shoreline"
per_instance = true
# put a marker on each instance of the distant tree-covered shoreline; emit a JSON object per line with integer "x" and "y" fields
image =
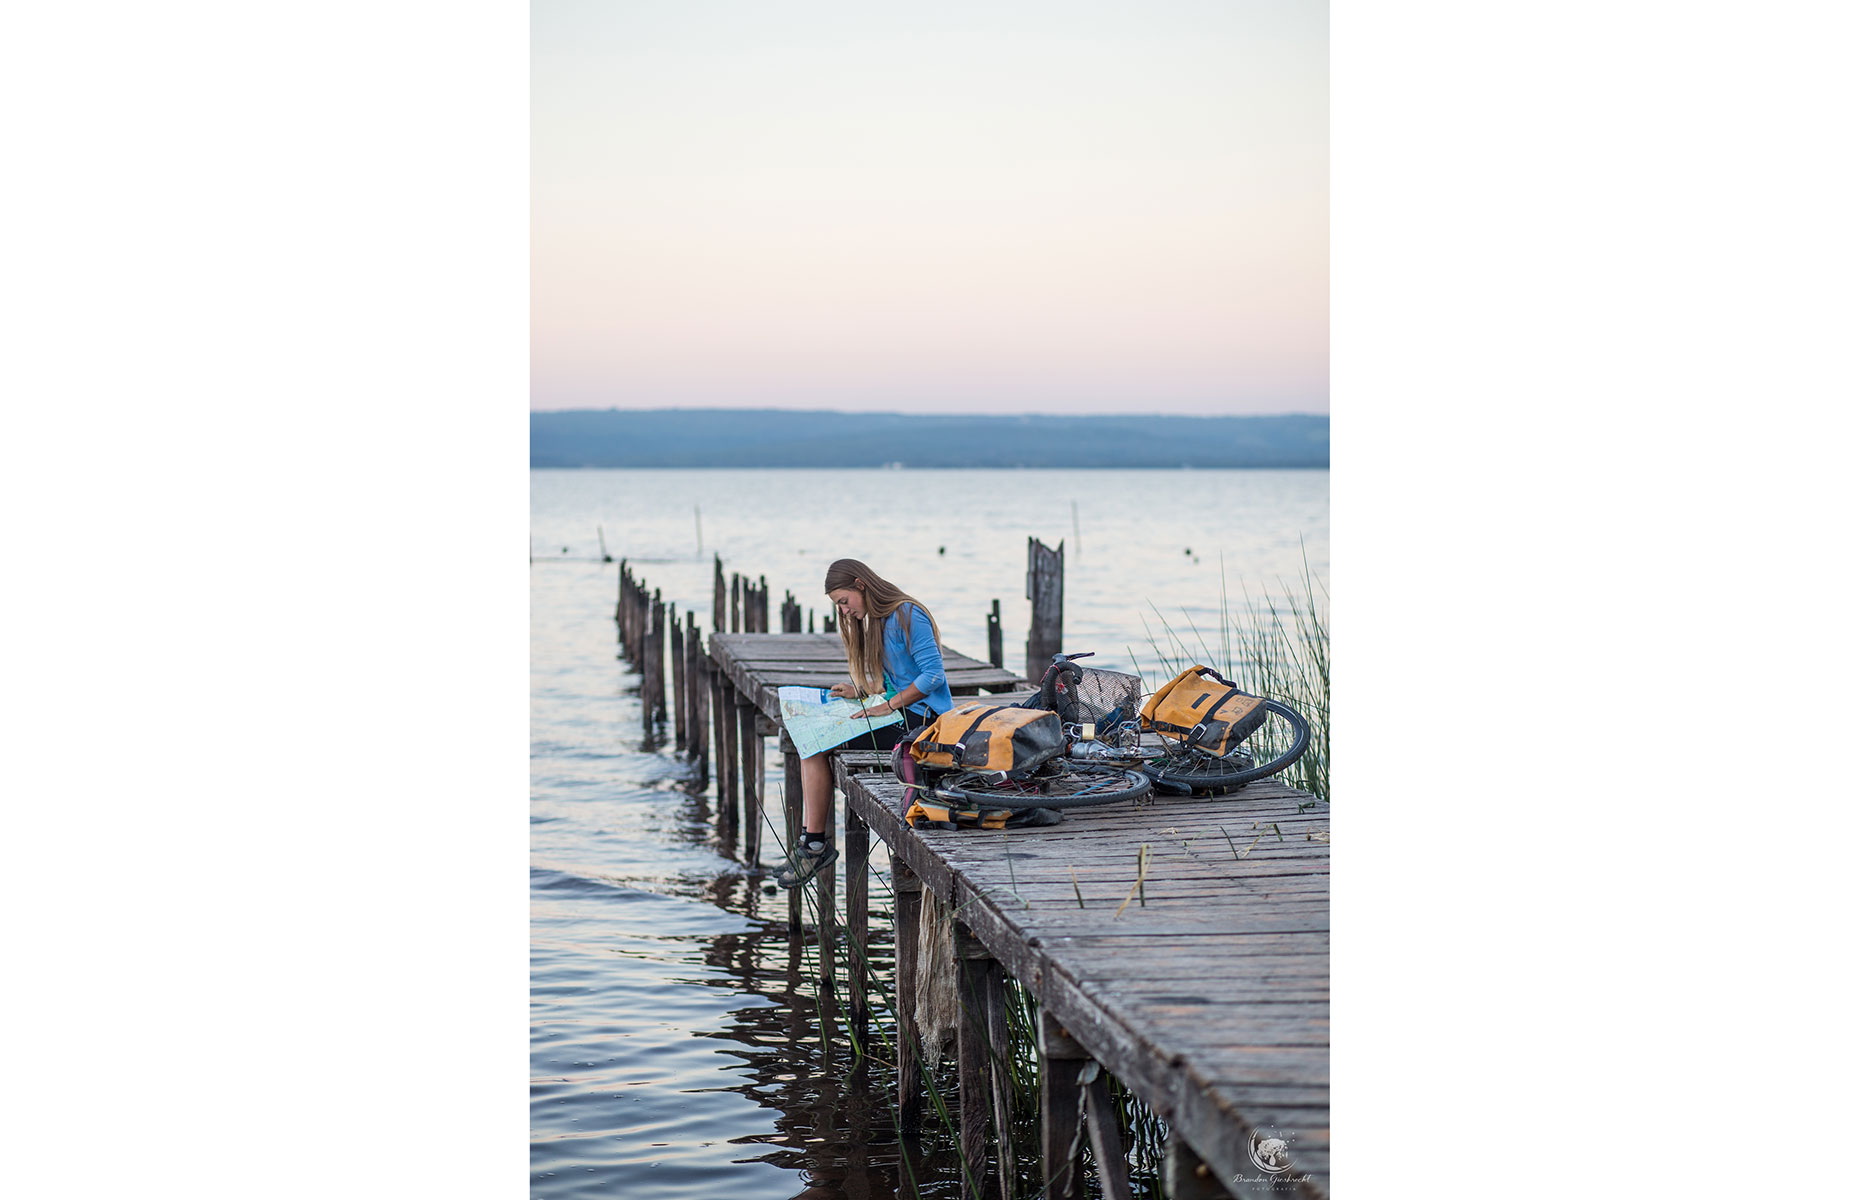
{"x": 786, "y": 438}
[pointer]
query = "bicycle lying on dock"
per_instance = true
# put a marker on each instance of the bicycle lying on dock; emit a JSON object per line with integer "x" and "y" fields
{"x": 1206, "y": 757}
{"x": 1016, "y": 757}
{"x": 1111, "y": 745}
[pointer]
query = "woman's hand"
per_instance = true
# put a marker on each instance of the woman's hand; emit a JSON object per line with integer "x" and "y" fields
{"x": 844, "y": 691}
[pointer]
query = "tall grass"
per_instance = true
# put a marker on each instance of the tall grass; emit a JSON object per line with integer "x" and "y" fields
{"x": 1277, "y": 646}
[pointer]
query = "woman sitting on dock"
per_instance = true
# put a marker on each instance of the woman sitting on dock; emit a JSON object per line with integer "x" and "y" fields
{"x": 891, "y": 649}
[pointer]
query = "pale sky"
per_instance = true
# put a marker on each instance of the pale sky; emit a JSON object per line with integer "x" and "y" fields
{"x": 962, "y": 207}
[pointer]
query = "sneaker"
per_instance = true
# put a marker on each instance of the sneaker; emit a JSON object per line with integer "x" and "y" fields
{"x": 804, "y": 864}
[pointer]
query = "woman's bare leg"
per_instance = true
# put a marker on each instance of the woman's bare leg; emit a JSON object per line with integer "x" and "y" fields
{"x": 816, "y": 784}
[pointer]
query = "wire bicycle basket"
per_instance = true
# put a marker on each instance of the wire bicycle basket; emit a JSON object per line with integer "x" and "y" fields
{"x": 1107, "y": 701}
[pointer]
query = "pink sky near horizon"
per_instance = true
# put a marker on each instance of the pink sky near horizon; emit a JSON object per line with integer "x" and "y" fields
{"x": 1057, "y": 208}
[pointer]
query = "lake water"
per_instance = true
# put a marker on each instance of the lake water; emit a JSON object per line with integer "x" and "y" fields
{"x": 674, "y": 1050}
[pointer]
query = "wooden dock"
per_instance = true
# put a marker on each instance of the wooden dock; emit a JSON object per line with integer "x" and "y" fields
{"x": 1204, "y": 987}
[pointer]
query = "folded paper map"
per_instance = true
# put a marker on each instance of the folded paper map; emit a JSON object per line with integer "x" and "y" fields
{"x": 816, "y": 721}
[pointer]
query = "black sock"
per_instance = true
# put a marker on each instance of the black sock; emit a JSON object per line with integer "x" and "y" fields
{"x": 814, "y": 843}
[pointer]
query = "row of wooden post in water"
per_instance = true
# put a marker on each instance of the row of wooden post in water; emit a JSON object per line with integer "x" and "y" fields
{"x": 748, "y": 606}
{"x": 668, "y": 650}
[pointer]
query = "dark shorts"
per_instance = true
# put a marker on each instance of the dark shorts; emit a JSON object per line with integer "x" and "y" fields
{"x": 890, "y": 735}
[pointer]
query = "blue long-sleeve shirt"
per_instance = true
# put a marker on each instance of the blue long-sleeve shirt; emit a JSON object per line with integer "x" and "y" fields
{"x": 921, "y": 665}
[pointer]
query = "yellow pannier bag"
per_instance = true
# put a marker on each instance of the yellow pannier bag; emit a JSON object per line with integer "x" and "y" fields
{"x": 1201, "y": 708}
{"x": 925, "y": 814}
{"x": 981, "y": 737}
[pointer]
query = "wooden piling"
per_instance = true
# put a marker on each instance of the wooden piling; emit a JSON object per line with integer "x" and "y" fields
{"x": 1046, "y": 588}
{"x": 729, "y": 751}
{"x": 642, "y": 633}
{"x": 717, "y": 595}
{"x": 628, "y": 601}
{"x": 858, "y": 851}
{"x": 979, "y": 987}
{"x": 720, "y": 709}
{"x": 791, "y": 826}
{"x": 705, "y": 701}
{"x": 994, "y": 1005}
{"x": 825, "y": 887}
{"x": 630, "y": 634}
{"x": 1107, "y": 1141}
{"x": 626, "y": 604}
{"x": 1185, "y": 1175}
{"x": 648, "y": 632}
{"x": 684, "y": 680}
{"x": 680, "y": 698}
{"x": 697, "y": 686}
{"x": 657, "y": 651}
{"x": 749, "y": 756}
{"x": 642, "y": 624}
{"x": 1062, "y": 1110}
{"x": 907, "y": 894}
{"x": 994, "y": 634}
{"x": 642, "y": 661}
{"x": 642, "y": 637}
{"x": 759, "y": 765}
{"x": 736, "y": 603}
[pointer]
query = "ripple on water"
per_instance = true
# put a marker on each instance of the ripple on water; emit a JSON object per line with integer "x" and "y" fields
{"x": 614, "y": 1058}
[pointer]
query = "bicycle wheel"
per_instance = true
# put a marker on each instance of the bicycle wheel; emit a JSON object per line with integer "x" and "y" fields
{"x": 1202, "y": 773}
{"x": 1066, "y": 785}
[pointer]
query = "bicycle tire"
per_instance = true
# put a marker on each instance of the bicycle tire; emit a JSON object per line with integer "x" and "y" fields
{"x": 1206, "y": 776}
{"x": 1073, "y": 785}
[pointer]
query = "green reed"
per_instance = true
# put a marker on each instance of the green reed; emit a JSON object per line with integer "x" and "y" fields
{"x": 1277, "y": 646}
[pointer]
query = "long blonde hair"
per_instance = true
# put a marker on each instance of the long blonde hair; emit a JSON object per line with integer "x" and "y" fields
{"x": 865, "y": 640}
